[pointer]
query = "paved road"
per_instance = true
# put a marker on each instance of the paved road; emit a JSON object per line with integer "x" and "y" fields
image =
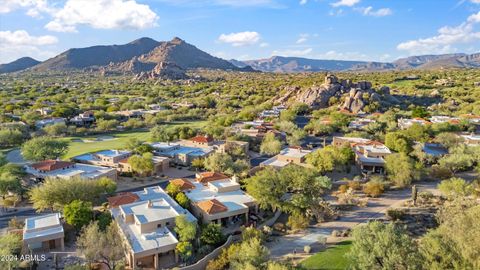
{"x": 15, "y": 157}
{"x": 282, "y": 246}
{"x": 21, "y": 215}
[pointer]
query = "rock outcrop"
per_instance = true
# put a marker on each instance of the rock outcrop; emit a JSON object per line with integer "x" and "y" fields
{"x": 356, "y": 95}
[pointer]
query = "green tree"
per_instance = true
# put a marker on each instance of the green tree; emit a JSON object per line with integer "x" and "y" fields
{"x": 383, "y": 246}
{"x": 172, "y": 190}
{"x": 270, "y": 145}
{"x": 398, "y": 142}
{"x": 56, "y": 129}
{"x": 107, "y": 184}
{"x": 41, "y": 148}
{"x": 330, "y": 157}
{"x": 143, "y": 165}
{"x": 104, "y": 219}
{"x": 182, "y": 200}
{"x": 185, "y": 249}
{"x": 56, "y": 193}
{"x": 400, "y": 169}
{"x": 103, "y": 247}
{"x": 250, "y": 254}
{"x": 78, "y": 213}
{"x": 212, "y": 235}
{"x": 10, "y": 244}
{"x": 186, "y": 230}
{"x": 10, "y": 137}
{"x": 455, "y": 187}
{"x": 454, "y": 244}
{"x": 9, "y": 182}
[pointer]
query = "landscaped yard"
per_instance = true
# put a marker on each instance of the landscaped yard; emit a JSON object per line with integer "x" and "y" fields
{"x": 114, "y": 140}
{"x": 330, "y": 259}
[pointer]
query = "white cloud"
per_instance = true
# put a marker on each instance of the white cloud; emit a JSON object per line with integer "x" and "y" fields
{"x": 264, "y": 44}
{"x": 446, "y": 38}
{"x": 302, "y": 38}
{"x": 304, "y": 52}
{"x": 240, "y": 38}
{"x": 347, "y": 3}
{"x": 369, "y": 11}
{"x": 102, "y": 14}
{"x": 16, "y": 44}
{"x": 303, "y": 2}
{"x": 22, "y": 37}
{"x": 35, "y": 7}
{"x": 475, "y": 1}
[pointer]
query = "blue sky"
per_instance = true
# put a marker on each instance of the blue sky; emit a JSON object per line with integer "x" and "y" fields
{"x": 379, "y": 30}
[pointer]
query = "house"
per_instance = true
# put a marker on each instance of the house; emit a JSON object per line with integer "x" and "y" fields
{"x": 44, "y": 111}
{"x": 217, "y": 198}
{"x": 369, "y": 155}
{"x": 256, "y": 129}
{"x": 127, "y": 114}
{"x": 183, "y": 104}
{"x": 405, "y": 123}
{"x": 471, "y": 139}
{"x": 179, "y": 154}
{"x": 107, "y": 158}
{"x": 43, "y": 233}
{"x": 289, "y": 155}
{"x": 444, "y": 119}
{"x": 475, "y": 119}
{"x": 84, "y": 119}
{"x": 119, "y": 159}
{"x": 360, "y": 123}
{"x": 49, "y": 121}
{"x": 68, "y": 170}
{"x": 160, "y": 164}
{"x": 146, "y": 220}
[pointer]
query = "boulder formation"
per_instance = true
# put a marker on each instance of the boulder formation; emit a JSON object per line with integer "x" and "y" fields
{"x": 355, "y": 95}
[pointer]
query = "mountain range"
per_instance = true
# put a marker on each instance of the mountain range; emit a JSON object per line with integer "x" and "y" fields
{"x": 149, "y": 58}
{"x": 298, "y": 64}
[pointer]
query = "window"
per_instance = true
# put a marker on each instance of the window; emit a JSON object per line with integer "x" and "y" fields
{"x": 159, "y": 225}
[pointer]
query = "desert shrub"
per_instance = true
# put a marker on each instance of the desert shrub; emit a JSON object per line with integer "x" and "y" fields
{"x": 297, "y": 222}
{"x": 395, "y": 214}
{"x": 355, "y": 185}
{"x": 373, "y": 189}
{"x": 342, "y": 188}
{"x": 440, "y": 172}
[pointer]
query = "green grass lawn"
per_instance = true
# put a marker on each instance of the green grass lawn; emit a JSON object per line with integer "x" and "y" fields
{"x": 330, "y": 259}
{"x": 78, "y": 148}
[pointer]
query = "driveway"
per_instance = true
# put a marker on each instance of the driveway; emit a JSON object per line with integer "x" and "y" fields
{"x": 284, "y": 245}
{"x": 15, "y": 157}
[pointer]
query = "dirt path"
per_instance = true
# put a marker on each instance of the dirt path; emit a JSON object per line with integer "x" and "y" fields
{"x": 282, "y": 246}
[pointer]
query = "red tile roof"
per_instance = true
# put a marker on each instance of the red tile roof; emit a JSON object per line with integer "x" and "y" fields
{"x": 184, "y": 184}
{"x": 210, "y": 176}
{"x": 121, "y": 199}
{"x": 51, "y": 165}
{"x": 202, "y": 139}
{"x": 212, "y": 206}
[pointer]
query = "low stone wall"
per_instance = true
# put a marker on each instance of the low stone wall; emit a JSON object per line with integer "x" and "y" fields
{"x": 271, "y": 221}
{"x": 202, "y": 264}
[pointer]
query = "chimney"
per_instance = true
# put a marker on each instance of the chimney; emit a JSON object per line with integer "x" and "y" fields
{"x": 149, "y": 204}
{"x": 235, "y": 178}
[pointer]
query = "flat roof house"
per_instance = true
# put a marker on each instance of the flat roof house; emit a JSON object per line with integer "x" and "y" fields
{"x": 369, "y": 155}
{"x": 289, "y": 155}
{"x": 68, "y": 170}
{"x": 44, "y": 233}
{"x": 146, "y": 220}
{"x": 405, "y": 123}
{"x": 49, "y": 121}
{"x": 219, "y": 199}
{"x": 471, "y": 139}
{"x": 180, "y": 154}
{"x": 107, "y": 158}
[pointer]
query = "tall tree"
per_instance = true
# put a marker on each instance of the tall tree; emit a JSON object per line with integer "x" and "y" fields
{"x": 270, "y": 145}
{"x": 78, "y": 213}
{"x": 103, "y": 247}
{"x": 383, "y": 246}
{"x": 41, "y": 148}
